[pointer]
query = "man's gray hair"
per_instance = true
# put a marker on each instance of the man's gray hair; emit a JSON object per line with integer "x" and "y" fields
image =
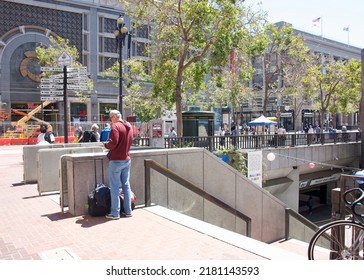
{"x": 115, "y": 113}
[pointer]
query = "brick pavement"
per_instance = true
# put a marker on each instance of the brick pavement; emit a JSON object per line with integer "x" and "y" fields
{"x": 33, "y": 227}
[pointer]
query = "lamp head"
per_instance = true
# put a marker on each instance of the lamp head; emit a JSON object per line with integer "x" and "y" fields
{"x": 124, "y": 30}
{"x": 120, "y": 20}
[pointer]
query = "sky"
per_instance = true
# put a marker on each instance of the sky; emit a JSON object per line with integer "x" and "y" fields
{"x": 335, "y": 15}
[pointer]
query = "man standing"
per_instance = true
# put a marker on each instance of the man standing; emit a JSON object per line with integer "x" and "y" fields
{"x": 172, "y": 137}
{"x": 120, "y": 140}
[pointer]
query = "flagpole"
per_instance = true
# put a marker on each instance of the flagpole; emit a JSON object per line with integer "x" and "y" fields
{"x": 322, "y": 27}
{"x": 348, "y": 35}
{"x": 347, "y": 30}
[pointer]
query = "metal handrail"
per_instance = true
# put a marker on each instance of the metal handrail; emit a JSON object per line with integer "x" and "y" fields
{"x": 291, "y": 213}
{"x": 262, "y": 141}
{"x": 149, "y": 163}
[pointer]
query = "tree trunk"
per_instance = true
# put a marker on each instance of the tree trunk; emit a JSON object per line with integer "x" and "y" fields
{"x": 179, "y": 103}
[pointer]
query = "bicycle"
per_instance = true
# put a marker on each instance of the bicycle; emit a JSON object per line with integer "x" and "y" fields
{"x": 341, "y": 239}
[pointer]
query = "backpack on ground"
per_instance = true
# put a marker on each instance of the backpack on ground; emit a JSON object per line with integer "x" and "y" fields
{"x": 49, "y": 136}
{"x": 99, "y": 201}
{"x": 89, "y": 136}
{"x": 133, "y": 199}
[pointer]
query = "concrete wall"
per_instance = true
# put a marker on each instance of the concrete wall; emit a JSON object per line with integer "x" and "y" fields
{"x": 80, "y": 173}
{"x": 30, "y": 157}
{"x": 48, "y": 161}
{"x": 282, "y": 175}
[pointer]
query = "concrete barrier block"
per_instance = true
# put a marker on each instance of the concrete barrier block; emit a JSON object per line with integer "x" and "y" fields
{"x": 30, "y": 156}
{"x": 48, "y": 166}
{"x": 79, "y": 175}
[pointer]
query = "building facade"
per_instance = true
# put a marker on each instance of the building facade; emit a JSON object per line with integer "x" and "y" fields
{"x": 89, "y": 25}
{"x": 283, "y": 108}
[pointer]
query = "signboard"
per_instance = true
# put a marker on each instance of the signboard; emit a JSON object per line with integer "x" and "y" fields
{"x": 157, "y": 131}
{"x": 64, "y": 59}
{"x": 84, "y": 81}
{"x": 51, "y": 92}
{"x": 255, "y": 164}
{"x": 53, "y": 69}
{"x": 51, "y": 98}
{"x": 76, "y": 87}
{"x": 46, "y": 80}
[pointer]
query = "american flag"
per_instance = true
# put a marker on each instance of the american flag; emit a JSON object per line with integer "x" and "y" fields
{"x": 316, "y": 19}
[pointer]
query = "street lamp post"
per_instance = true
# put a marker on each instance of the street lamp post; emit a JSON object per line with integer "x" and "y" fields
{"x": 120, "y": 34}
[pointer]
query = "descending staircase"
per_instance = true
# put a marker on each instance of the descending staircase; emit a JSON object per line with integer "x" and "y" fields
{"x": 292, "y": 245}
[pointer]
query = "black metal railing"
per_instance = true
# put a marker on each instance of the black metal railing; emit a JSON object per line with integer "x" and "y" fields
{"x": 261, "y": 141}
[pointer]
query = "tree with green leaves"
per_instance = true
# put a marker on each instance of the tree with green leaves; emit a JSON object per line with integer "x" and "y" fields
{"x": 334, "y": 86}
{"x": 48, "y": 56}
{"x": 139, "y": 98}
{"x": 187, "y": 40}
{"x": 294, "y": 73}
{"x": 284, "y": 52}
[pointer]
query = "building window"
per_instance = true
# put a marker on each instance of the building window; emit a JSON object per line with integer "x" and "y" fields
{"x": 85, "y": 42}
{"x": 139, "y": 48}
{"x": 109, "y": 45}
{"x": 104, "y": 109}
{"x": 109, "y": 25}
{"x": 78, "y": 112}
{"x": 85, "y": 22}
{"x": 142, "y": 31}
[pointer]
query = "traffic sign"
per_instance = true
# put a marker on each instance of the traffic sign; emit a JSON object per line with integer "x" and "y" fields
{"x": 51, "y": 98}
{"x": 64, "y": 59}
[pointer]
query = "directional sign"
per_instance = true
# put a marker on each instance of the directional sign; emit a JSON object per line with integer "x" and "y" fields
{"x": 76, "y": 74}
{"x": 48, "y": 86}
{"x": 84, "y": 81}
{"x": 79, "y": 69}
{"x": 56, "y": 76}
{"x": 51, "y": 92}
{"x": 51, "y": 98}
{"x": 64, "y": 59}
{"x": 53, "y": 69}
{"x": 46, "y": 80}
{"x": 76, "y": 87}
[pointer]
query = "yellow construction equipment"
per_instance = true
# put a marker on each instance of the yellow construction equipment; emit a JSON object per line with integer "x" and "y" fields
{"x": 22, "y": 129}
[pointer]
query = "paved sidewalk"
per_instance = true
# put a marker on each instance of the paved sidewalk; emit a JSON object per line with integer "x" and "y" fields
{"x": 33, "y": 227}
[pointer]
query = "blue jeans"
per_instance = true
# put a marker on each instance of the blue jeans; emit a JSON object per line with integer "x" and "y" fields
{"x": 119, "y": 174}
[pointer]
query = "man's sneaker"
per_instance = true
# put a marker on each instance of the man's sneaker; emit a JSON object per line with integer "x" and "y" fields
{"x": 109, "y": 216}
{"x": 126, "y": 215}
